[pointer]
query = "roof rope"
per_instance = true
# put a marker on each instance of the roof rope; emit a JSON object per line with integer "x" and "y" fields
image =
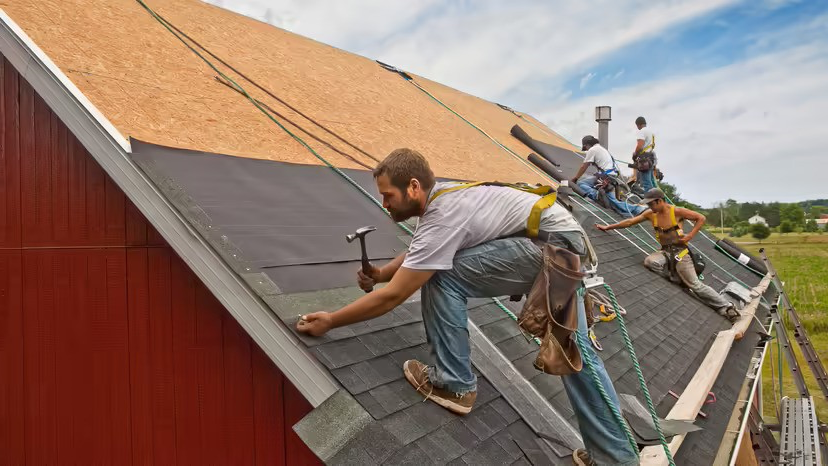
{"x": 581, "y": 344}
{"x": 705, "y": 236}
{"x": 257, "y": 104}
{"x": 304, "y": 144}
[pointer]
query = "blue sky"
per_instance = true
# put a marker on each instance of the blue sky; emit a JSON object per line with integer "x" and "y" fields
{"x": 725, "y": 36}
{"x": 733, "y": 89}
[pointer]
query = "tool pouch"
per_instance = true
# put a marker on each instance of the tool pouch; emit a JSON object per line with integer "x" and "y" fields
{"x": 550, "y": 312}
{"x": 644, "y": 162}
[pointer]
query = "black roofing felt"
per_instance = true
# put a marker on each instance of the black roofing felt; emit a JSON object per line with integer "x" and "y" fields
{"x": 282, "y": 227}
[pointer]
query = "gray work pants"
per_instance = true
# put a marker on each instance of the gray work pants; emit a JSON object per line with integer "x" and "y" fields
{"x": 657, "y": 262}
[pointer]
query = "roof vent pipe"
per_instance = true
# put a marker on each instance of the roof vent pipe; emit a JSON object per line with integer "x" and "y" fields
{"x": 603, "y": 115}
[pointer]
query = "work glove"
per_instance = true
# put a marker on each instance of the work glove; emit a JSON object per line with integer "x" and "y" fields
{"x": 367, "y": 281}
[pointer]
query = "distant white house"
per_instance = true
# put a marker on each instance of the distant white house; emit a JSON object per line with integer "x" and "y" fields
{"x": 757, "y": 219}
{"x": 822, "y": 222}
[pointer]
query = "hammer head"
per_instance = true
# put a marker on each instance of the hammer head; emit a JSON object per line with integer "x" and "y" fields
{"x": 359, "y": 233}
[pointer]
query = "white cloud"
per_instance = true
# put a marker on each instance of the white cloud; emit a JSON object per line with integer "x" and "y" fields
{"x": 457, "y": 42}
{"x": 747, "y": 131}
{"x": 586, "y": 79}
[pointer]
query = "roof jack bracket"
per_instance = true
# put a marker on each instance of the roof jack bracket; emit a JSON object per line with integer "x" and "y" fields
{"x": 593, "y": 281}
{"x": 394, "y": 69}
{"x": 504, "y": 107}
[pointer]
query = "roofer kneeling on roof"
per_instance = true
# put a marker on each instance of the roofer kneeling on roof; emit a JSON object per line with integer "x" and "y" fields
{"x": 472, "y": 241}
{"x": 599, "y": 157}
{"x": 675, "y": 258}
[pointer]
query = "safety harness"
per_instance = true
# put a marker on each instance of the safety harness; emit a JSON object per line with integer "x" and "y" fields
{"x": 547, "y": 193}
{"x": 648, "y": 148}
{"x": 644, "y": 160}
{"x": 673, "y": 252}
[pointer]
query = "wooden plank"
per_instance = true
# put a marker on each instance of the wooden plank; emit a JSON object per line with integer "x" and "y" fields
{"x": 210, "y": 351}
{"x": 238, "y": 391}
{"x": 136, "y": 226}
{"x": 187, "y": 423}
{"x": 692, "y": 400}
{"x": 91, "y": 353}
{"x": 26, "y": 146}
{"x": 140, "y": 370}
{"x": 745, "y": 455}
{"x": 741, "y": 326}
{"x": 39, "y": 360}
{"x": 161, "y": 356}
{"x": 12, "y": 393}
{"x": 59, "y": 180}
{"x": 9, "y": 157}
{"x": 269, "y": 412}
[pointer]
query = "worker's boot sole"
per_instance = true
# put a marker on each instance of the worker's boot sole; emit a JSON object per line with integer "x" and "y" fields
{"x": 416, "y": 374}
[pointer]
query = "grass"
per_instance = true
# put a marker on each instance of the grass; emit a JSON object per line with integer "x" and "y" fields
{"x": 801, "y": 260}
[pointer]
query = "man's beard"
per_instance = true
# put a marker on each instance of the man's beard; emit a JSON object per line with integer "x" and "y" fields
{"x": 410, "y": 208}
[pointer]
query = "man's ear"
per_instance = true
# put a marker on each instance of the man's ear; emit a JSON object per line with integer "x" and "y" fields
{"x": 414, "y": 186}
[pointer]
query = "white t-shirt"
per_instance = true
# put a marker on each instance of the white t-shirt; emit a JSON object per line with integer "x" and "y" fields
{"x": 468, "y": 217}
{"x": 647, "y": 135}
{"x": 599, "y": 156}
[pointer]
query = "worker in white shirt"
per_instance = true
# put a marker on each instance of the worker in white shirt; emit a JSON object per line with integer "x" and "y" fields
{"x": 597, "y": 156}
{"x": 644, "y": 158}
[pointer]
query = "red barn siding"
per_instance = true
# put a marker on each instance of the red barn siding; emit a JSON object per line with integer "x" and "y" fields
{"x": 9, "y": 159}
{"x": 111, "y": 350}
{"x": 11, "y": 357}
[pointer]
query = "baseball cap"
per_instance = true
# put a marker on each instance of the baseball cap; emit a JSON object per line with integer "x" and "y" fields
{"x": 653, "y": 195}
{"x": 588, "y": 140}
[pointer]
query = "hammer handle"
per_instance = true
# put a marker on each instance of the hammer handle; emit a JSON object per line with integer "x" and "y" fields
{"x": 366, "y": 264}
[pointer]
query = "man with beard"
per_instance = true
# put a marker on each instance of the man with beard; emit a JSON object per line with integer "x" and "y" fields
{"x": 467, "y": 244}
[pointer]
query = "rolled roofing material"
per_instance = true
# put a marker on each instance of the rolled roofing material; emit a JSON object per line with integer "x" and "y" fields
{"x": 567, "y": 161}
{"x": 547, "y": 167}
{"x": 742, "y": 256}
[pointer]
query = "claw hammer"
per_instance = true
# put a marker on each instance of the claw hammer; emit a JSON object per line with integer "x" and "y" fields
{"x": 360, "y": 233}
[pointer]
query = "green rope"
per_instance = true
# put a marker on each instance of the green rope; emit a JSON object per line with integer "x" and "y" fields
{"x": 531, "y": 166}
{"x": 241, "y": 90}
{"x": 511, "y": 314}
{"x": 578, "y": 338}
{"x": 585, "y": 351}
{"x": 256, "y": 103}
{"x": 631, "y": 350}
{"x": 711, "y": 260}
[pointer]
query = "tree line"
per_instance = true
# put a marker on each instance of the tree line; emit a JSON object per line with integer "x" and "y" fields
{"x": 781, "y": 217}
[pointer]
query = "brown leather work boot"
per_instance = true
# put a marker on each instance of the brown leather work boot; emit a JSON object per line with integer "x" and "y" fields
{"x": 581, "y": 457}
{"x": 417, "y": 375}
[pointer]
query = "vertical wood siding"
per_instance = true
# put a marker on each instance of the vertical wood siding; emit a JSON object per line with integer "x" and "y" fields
{"x": 111, "y": 350}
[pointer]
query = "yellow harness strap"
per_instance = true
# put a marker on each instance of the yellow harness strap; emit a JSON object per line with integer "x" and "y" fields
{"x": 673, "y": 221}
{"x": 648, "y": 148}
{"x": 548, "y": 197}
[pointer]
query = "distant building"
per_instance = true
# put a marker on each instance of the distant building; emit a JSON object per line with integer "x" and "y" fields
{"x": 757, "y": 219}
{"x": 822, "y": 222}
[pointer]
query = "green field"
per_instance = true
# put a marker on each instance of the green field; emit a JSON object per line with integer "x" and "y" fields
{"x": 802, "y": 263}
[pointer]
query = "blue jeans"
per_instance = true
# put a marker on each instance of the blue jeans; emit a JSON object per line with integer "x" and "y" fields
{"x": 507, "y": 267}
{"x": 646, "y": 180}
{"x": 587, "y": 185}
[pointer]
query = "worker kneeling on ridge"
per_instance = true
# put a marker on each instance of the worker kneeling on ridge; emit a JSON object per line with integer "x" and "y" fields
{"x": 474, "y": 240}
{"x": 604, "y": 179}
{"x": 675, "y": 260}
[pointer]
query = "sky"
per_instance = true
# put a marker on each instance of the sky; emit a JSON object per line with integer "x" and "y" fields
{"x": 735, "y": 91}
